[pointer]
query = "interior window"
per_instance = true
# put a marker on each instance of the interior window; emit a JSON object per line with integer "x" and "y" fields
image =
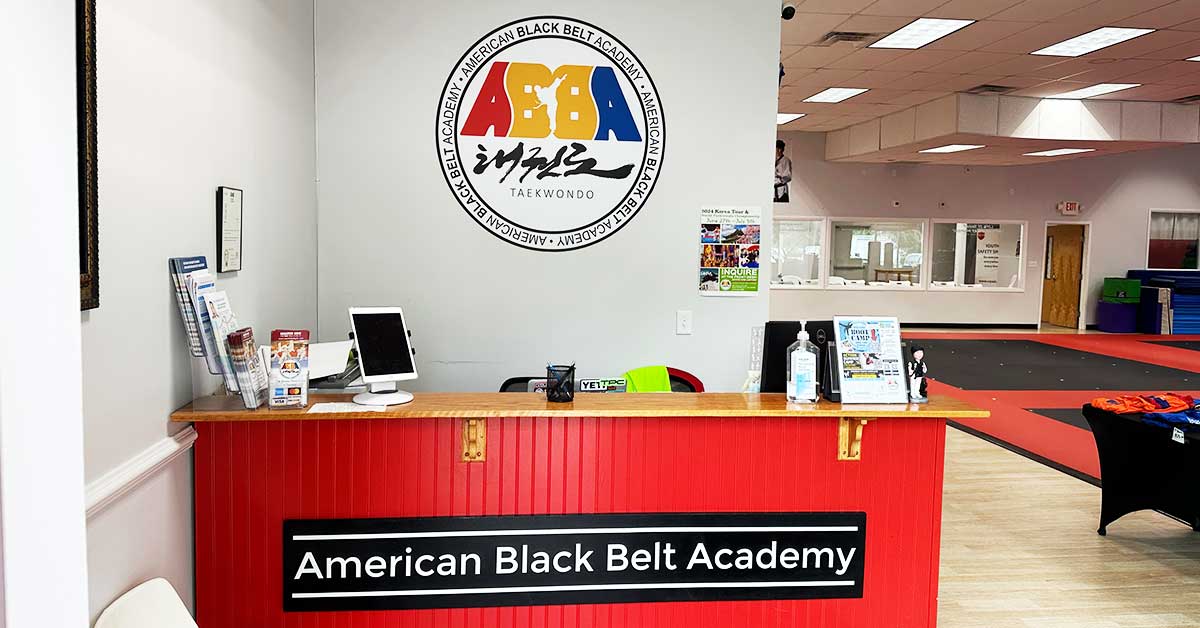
{"x": 1173, "y": 240}
{"x": 796, "y": 256}
{"x": 877, "y": 253}
{"x": 977, "y": 254}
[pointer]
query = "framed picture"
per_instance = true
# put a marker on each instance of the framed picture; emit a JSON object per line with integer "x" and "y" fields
{"x": 229, "y": 229}
{"x": 85, "y": 69}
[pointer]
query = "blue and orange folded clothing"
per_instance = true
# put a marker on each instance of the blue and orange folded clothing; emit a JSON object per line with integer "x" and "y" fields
{"x": 1136, "y": 404}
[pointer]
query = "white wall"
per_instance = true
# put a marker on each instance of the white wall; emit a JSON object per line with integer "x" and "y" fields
{"x": 41, "y": 429}
{"x": 480, "y": 309}
{"x": 193, "y": 94}
{"x": 1117, "y": 193}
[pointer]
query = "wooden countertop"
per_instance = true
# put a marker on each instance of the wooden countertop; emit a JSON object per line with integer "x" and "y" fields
{"x": 485, "y": 405}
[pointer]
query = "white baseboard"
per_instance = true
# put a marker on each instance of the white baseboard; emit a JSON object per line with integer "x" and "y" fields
{"x": 108, "y": 488}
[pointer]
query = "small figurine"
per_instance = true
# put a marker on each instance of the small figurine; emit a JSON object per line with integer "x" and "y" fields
{"x": 918, "y": 389}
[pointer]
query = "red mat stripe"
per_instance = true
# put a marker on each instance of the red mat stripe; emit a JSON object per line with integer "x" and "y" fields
{"x": 1064, "y": 444}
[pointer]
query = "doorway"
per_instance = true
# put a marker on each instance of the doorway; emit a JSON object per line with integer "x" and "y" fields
{"x": 1062, "y": 280}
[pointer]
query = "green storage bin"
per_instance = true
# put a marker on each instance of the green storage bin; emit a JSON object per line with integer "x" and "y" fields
{"x": 1121, "y": 290}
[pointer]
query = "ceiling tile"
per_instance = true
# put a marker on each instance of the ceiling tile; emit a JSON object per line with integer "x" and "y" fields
{"x": 1109, "y": 11}
{"x": 816, "y": 56}
{"x": 881, "y": 96}
{"x": 1166, "y": 16}
{"x": 874, "y": 23}
{"x": 925, "y": 80}
{"x": 964, "y": 82}
{"x": 1040, "y": 10}
{"x": 978, "y": 35}
{"x": 791, "y": 76}
{"x": 968, "y": 62}
{"x": 1037, "y": 37}
{"x": 905, "y": 8}
{"x": 810, "y": 29}
{"x": 918, "y": 60}
{"x": 1175, "y": 53}
{"x": 971, "y": 9}
{"x": 881, "y": 78}
{"x": 1194, "y": 26}
{"x": 831, "y": 6}
{"x": 1172, "y": 73}
{"x": 1112, "y": 69}
{"x": 918, "y": 97}
{"x": 1024, "y": 64}
{"x": 1145, "y": 92}
{"x": 871, "y": 58}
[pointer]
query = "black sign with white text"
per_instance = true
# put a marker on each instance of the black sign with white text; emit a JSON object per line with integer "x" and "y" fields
{"x": 462, "y": 562}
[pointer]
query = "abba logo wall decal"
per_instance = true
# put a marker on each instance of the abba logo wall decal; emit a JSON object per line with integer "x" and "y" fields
{"x": 550, "y": 133}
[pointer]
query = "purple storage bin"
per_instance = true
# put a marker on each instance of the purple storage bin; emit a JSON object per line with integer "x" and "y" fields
{"x": 1117, "y": 318}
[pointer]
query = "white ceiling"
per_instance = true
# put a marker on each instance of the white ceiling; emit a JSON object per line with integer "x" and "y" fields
{"x": 994, "y": 50}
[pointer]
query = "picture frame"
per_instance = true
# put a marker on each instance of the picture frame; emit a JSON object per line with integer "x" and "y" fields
{"x": 229, "y": 229}
{"x": 89, "y": 239}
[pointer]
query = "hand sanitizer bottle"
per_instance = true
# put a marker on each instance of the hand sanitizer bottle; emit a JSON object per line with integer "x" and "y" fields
{"x": 802, "y": 369}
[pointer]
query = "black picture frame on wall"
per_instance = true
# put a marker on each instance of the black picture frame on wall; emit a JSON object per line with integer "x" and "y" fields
{"x": 85, "y": 89}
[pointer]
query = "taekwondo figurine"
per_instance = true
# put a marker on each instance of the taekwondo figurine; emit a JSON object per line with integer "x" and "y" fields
{"x": 918, "y": 389}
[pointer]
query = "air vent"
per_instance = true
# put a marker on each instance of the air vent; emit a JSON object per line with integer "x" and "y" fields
{"x": 1187, "y": 100}
{"x": 852, "y": 37}
{"x": 990, "y": 89}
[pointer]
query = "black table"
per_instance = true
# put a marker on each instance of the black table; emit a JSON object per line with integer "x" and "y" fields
{"x": 1142, "y": 468}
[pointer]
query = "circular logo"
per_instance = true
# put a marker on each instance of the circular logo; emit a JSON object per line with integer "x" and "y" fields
{"x": 550, "y": 133}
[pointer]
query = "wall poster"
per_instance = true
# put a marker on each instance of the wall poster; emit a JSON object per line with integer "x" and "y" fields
{"x": 730, "y": 241}
{"x": 550, "y": 133}
{"x": 871, "y": 358}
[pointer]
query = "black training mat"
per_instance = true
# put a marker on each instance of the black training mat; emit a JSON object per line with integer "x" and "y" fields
{"x": 1029, "y": 365}
{"x": 1070, "y": 416}
{"x": 1194, "y": 345}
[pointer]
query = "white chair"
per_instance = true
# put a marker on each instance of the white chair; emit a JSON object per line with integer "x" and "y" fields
{"x": 151, "y": 604}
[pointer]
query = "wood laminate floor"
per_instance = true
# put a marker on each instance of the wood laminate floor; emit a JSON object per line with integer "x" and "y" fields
{"x": 1020, "y": 550}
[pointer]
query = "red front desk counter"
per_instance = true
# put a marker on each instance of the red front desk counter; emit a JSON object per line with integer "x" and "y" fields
{"x": 439, "y": 476}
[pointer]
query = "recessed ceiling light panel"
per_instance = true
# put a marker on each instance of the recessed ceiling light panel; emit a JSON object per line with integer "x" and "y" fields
{"x": 1059, "y": 152}
{"x": 1093, "y": 41}
{"x": 835, "y": 94}
{"x": 1095, "y": 90}
{"x": 953, "y": 148}
{"x": 921, "y": 32}
{"x": 1194, "y": 59}
{"x": 784, "y": 118}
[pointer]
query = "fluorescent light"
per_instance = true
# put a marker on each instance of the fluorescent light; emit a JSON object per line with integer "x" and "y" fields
{"x": 784, "y": 118}
{"x": 920, "y": 33}
{"x": 1093, "y": 41}
{"x": 952, "y": 148}
{"x": 1096, "y": 90}
{"x": 1194, "y": 59}
{"x": 835, "y": 94}
{"x": 1059, "y": 152}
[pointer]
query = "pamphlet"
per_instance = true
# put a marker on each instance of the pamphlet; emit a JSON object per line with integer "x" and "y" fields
{"x": 179, "y": 268}
{"x": 871, "y": 359}
{"x": 730, "y": 241}
{"x": 289, "y": 368}
{"x": 199, "y": 284}
{"x": 223, "y": 323}
{"x": 251, "y": 373}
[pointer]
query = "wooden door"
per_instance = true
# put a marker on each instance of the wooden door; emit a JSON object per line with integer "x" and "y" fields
{"x": 1063, "y": 275}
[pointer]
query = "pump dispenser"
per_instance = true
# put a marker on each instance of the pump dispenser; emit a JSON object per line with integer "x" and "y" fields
{"x": 802, "y": 369}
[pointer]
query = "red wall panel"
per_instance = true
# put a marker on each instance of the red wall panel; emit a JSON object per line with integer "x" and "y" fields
{"x": 250, "y": 476}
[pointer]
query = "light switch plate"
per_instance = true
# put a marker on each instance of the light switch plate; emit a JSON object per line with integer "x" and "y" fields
{"x": 683, "y": 322}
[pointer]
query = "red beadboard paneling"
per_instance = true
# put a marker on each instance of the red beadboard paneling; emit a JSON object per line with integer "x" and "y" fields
{"x": 252, "y": 476}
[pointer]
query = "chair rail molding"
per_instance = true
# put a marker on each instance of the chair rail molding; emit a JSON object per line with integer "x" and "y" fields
{"x": 105, "y": 490}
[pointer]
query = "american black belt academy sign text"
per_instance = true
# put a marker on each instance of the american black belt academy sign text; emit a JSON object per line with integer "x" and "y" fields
{"x": 459, "y": 562}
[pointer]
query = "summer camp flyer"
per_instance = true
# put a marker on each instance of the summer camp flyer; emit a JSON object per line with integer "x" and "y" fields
{"x": 730, "y": 238}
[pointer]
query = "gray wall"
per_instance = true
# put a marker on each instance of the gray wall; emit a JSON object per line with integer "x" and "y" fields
{"x": 1117, "y": 193}
{"x": 480, "y": 309}
{"x": 193, "y": 94}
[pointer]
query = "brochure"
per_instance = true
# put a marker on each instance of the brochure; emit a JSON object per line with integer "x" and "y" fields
{"x": 289, "y": 368}
{"x": 251, "y": 375}
{"x": 872, "y": 362}
{"x": 180, "y": 267}
{"x": 223, "y": 323}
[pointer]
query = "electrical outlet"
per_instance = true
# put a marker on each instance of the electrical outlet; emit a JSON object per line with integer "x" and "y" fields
{"x": 683, "y": 322}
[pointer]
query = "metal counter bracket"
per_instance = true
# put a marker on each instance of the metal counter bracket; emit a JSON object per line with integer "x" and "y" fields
{"x": 474, "y": 440}
{"x": 850, "y": 433}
